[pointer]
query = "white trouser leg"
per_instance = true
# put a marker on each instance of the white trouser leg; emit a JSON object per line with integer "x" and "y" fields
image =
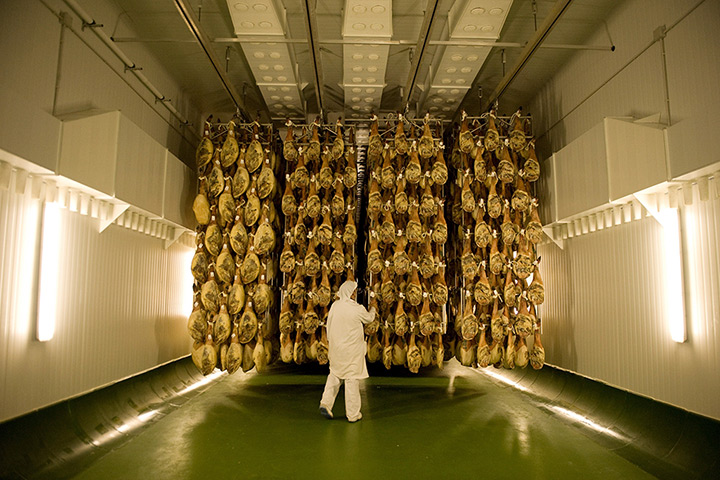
{"x": 332, "y": 387}
{"x": 352, "y": 399}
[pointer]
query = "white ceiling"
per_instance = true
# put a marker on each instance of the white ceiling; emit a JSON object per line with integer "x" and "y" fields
{"x": 158, "y": 26}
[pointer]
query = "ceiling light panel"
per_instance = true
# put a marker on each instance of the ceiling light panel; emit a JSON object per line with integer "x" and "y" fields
{"x": 255, "y": 17}
{"x": 271, "y": 63}
{"x": 452, "y": 78}
{"x": 367, "y": 18}
{"x": 478, "y": 19}
{"x": 364, "y": 64}
{"x": 454, "y": 71}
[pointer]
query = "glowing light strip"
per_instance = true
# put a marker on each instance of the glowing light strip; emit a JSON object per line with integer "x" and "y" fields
{"x": 49, "y": 261}
{"x": 674, "y": 291}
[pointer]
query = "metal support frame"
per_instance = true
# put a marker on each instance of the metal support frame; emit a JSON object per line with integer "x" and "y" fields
{"x": 185, "y": 10}
{"x": 419, "y": 51}
{"x": 540, "y": 35}
{"x": 309, "y": 7}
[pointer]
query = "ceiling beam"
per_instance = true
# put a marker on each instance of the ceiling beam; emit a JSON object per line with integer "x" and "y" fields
{"x": 309, "y": 7}
{"x": 419, "y": 51}
{"x": 206, "y": 44}
{"x": 540, "y": 35}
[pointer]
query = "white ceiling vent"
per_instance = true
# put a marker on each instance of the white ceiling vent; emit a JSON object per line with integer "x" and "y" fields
{"x": 364, "y": 63}
{"x": 271, "y": 62}
{"x": 457, "y": 66}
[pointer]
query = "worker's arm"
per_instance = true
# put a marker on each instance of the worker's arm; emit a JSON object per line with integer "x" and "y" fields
{"x": 366, "y": 316}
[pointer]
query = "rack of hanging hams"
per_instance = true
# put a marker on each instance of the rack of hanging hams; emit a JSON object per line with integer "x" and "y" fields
{"x": 234, "y": 319}
{"x": 318, "y": 251}
{"x": 405, "y": 244}
{"x": 496, "y": 227}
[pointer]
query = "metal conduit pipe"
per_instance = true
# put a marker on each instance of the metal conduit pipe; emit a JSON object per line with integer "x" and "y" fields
{"x": 88, "y": 21}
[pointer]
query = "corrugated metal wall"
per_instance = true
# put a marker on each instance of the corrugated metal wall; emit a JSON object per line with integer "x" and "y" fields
{"x": 605, "y": 314}
{"x": 123, "y": 302}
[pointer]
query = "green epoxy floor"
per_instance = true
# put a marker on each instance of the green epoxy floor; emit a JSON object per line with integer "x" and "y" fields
{"x": 446, "y": 424}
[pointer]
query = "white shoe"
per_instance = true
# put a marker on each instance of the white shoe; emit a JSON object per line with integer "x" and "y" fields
{"x": 353, "y": 420}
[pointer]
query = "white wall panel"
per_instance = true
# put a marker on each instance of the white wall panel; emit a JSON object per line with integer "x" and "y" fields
{"x": 581, "y": 174}
{"x": 122, "y": 306}
{"x": 693, "y": 54}
{"x": 89, "y": 75}
{"x": 605, "y": 314}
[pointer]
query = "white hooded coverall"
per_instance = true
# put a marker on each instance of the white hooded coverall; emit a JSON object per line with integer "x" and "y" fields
{"x": 346, "y": 350}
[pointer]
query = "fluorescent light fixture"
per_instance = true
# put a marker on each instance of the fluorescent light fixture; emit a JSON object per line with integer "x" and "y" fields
{"x": 674, "y": 285}
{"x": 49, "y": 260}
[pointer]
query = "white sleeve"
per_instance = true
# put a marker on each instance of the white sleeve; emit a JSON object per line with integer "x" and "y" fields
{"x": 364, "y": 315}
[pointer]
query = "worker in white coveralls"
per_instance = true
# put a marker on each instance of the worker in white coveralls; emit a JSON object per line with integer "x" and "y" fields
{"x": 346, "y": 351}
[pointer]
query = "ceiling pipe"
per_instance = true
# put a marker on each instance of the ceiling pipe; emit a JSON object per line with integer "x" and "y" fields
{"x": 370, "y": 41}
{"x": 540, "y": 35}
{"x": 419, "y": 51}
{"x": 89, "y": 22}
{"x": 193, "y": 24}
{"x": 314, "y": 45}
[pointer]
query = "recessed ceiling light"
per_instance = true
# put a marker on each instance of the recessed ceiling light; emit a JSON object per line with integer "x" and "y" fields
{"x": 259, "y": 55}
{"x": 358, "y": 26}
{"x": 377, "y": 26}
{"x": 477, "y": 11}
{"x": 274, "y": 55}
{"x": 278, "y": 105}
{"x": 472, "y": 58}
{"x": 369, "y": 99}
{"x": 369, "y": 90}
{"x": 267, "y": 78}
{"x": 446, "y": 109}
{"x": 454, "y": 91}
{"x": 287, "y": 98}
{"x": 247, "y": 24}
{"x": 260, "y": 7}
{"x": 278, "y": 68}
{"x": 371, "y": 80}
{"x": 451, "y": 70}
{"x": 469, "y": 28}
{"x": 446, "y": 81}
{"x": 441, "y": 91}
{"x": 456, "y": 58}
{"x": 271, "y": 89}
{"x": 241, "y": 7}
{"x": 359, "y": 9}
{"x": 357, "y": 79}
{"x": 372, "y": 69}
{"x": 434, "y": 109}
{"x": 275, "y": 97}
{"x": 282, "y": 78}
{"x": 284, "y": 89}
{"x": 356, "y": 90}
{"x": 265, "y": 24}
{"x": 437, "y": 100}
{"x": 373, "y": 56}
{"x": 357, "y": 56}
{"x": 356, "y": 107}
{"x": 487, "y": 28}
{"x": 496, "y": 11}
{"x": 355, "y": 99}
{"x": 460, "y": 81}
{"x": 466, "y": 69}
{"x": 378, "y": 9}
{"x": 357, "y": 68}
{"x": 263, "y": 67}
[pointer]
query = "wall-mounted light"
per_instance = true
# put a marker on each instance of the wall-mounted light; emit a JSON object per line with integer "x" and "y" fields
{"x": 48, "y": 275}
{"x": 674, "y": 285}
